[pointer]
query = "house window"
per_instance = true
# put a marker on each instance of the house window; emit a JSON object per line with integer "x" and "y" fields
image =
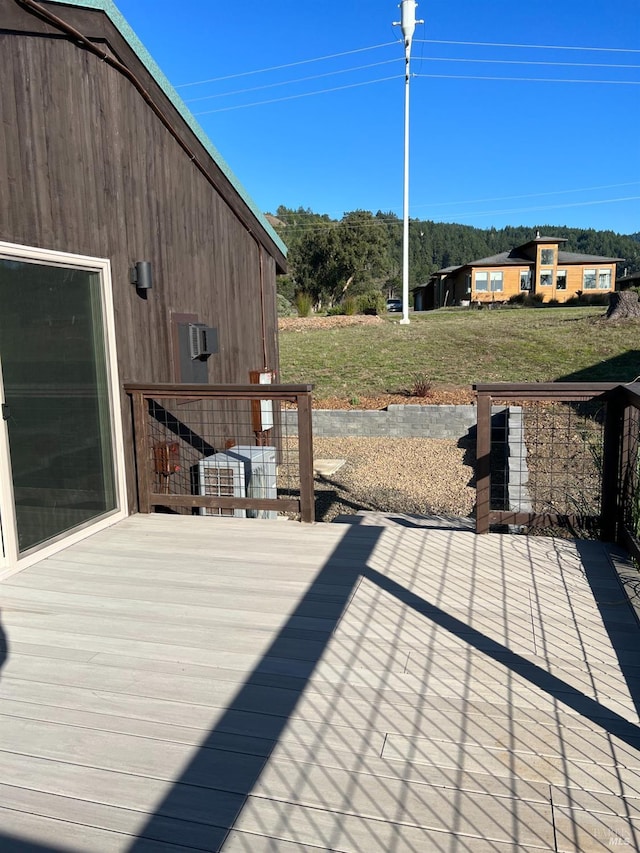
{"x": 525, "y": 279}
{"x": 467, "y": 283}
{"x": 546, "y": 278}
{"x": 481, "y": 281}
{"x": 496, "y": 282}
{"x": 547, "y": 256}
{"x": 589, "y": 280}
{"x": 561, "y": 280}
{"x": 604, "y": 279}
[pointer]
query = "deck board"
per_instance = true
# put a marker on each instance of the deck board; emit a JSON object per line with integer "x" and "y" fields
{"x": 177, "y": 683}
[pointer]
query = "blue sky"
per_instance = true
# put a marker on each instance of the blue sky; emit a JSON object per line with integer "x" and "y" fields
{"x": 484, "y": 152}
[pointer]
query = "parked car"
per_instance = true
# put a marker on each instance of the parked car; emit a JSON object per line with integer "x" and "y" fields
{"x": 394, "y": 305}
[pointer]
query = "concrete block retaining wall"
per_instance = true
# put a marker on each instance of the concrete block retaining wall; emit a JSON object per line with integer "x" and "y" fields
{"x": 450, "y": 422}
{"x": 397, "y": 421}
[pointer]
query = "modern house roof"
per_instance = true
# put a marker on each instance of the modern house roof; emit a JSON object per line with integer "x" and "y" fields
{"x": 517, "y": 257}
{"x": 577, "y": 258}
{"x": 117, "y": 19}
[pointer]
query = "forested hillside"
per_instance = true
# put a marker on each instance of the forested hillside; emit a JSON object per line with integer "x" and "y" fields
{"x": 362, "y": 251}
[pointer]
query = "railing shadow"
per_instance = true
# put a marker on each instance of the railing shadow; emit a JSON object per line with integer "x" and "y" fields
{"x": 225, "y": 780}
{"x": 205, "y": 803}
{"x": 618, "y": 617}
{"x": 4, "y": 646}
{"x": 241, "y": 773}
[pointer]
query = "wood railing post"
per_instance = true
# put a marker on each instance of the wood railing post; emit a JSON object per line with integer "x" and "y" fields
{"x": 143, "y": 471}
{"x": 483, "y": 463}
{"x": 305, "y": 457}
{"x": 611, "y": 503}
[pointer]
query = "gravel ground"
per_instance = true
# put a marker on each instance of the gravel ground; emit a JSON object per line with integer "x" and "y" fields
{"x": 408, "y": 475}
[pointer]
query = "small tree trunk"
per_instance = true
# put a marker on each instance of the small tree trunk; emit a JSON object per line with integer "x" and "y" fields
{"x": 623, "y": 305}
{"x": 349, "y": 280}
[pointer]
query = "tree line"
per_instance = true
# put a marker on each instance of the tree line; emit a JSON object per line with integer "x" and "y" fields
{"x": 361, "y": 253}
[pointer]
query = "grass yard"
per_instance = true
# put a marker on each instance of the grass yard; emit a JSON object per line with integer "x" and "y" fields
{"x": 459, "y": 347}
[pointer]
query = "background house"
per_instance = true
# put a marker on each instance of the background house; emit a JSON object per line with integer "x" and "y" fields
{"x": 539, "y": 266}
{"x": 627, "y": 280}
{"x": 102, "y": 167}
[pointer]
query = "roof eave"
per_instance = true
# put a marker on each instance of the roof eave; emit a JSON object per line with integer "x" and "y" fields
{"x": 120, "y": 23}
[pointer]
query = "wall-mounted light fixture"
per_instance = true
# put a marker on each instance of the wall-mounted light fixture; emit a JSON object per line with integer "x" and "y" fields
{"x": 141, "y": 275}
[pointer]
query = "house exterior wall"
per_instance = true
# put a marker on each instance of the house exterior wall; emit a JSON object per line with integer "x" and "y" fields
{"x": 455, "y": 286}
{"x": 510, "y": 284}
{"x": 575, "y": 279}
{"x": 86, "y": 167}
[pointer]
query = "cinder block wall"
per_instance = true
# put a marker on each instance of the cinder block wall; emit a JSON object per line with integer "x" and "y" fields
{"x": 397, "y": 421}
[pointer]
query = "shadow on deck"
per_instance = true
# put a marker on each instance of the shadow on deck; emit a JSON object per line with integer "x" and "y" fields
{"x": 424, "y": 689}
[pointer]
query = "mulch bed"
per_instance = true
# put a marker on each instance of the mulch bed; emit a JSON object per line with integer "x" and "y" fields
{"x": 439, "y": 396}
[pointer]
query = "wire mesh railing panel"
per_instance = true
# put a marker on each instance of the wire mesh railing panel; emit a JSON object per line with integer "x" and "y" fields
{"x": 215, "y": 455}
{"x": 630, "y": 472}
{"x": 544, "y": 453}
{"x": 552, "y": 458}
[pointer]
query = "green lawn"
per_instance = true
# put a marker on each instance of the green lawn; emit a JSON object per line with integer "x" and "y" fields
{"x": 460, "y": 347}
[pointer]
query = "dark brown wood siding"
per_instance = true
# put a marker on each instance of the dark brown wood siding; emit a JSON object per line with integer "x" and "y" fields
{"x": 87, "y": 167}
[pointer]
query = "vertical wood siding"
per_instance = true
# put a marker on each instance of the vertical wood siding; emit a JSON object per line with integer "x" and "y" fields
{"x": 86, "y": 167}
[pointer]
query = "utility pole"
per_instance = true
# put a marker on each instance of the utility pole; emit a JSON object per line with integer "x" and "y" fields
{"x": 408, "y": 24}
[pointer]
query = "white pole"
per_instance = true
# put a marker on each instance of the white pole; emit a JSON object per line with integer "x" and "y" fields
{"x": 408, "y": 24}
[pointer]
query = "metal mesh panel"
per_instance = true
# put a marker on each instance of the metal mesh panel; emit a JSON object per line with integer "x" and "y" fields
{"x": 630, "y": 480}
{"x": 211, "y": 447}
{"x": 546, "y": 458}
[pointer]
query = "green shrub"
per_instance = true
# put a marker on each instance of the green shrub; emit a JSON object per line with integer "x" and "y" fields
{"x": 586, "y": 299}
{"x": 335, "y": 310}
{"x": 595, "y": 298}
{"x": 285, "y": 308}
{"x": 372, "y": 303}
{"x": 528, "y": 300}
{"x": 350, "y": 306}
{"x": 286, "y": 286}
{"x": 304, "y": 304}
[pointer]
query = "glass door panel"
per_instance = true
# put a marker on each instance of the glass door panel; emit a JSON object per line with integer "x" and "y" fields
{"x": 55, "y": 375}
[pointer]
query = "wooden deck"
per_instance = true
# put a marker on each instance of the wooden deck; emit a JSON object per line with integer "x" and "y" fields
{"x": 187, "y": 684}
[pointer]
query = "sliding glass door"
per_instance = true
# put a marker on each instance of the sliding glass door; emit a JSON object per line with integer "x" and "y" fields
{"x": 57, "y": 399}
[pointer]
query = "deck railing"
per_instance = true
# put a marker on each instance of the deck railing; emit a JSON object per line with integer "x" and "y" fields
{"x": 545, "y": 453}
{"x": 622, "y": 474}
{"x": 223, "y": 449}
{"x": 563, "y": 454}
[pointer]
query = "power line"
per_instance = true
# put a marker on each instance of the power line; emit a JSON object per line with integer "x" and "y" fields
{"x": 397, "y": 60}
{"x": 286, "y": 65}
{"x": 430, "y": 76}
{"x": 485, "y": 200}
{"x": 536, "y": 195}
{"x": 552, "y": 206}
{"x": 527, "y": 79}
{"x": 303, "y": 95}
{"x": 529, "y": 62}
{"x": 532, "y": 46}
{"x": 397, "y": 221}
